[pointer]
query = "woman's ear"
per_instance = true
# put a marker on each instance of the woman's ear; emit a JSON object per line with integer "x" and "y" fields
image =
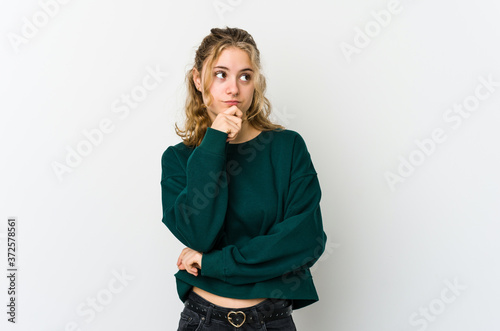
{"x": 197, "y": 79}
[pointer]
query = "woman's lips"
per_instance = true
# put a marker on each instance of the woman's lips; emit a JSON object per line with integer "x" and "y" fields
{"x": 232, "y": 102}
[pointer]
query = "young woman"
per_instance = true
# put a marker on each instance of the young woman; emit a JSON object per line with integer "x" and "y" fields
{"x": 242, "y": 195}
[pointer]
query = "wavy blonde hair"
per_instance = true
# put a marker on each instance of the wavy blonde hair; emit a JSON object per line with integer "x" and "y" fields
{"x": 197, "y": 118}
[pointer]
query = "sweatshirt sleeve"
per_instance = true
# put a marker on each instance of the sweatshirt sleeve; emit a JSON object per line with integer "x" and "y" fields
{"x": 195, "y": 194}
{"x": 296, "y": 242}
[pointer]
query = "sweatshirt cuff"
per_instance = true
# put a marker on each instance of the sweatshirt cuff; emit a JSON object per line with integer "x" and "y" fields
{"x": 212, "y": 265}
{"x": 214, "y": 141}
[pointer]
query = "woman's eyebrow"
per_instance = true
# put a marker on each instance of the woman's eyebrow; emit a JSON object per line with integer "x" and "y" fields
{"x": 226, "y": 68}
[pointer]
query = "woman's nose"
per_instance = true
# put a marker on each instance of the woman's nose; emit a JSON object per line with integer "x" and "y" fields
{"x": 232, "y": 87}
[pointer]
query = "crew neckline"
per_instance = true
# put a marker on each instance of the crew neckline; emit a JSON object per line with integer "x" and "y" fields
{"x": 248, "y": 141}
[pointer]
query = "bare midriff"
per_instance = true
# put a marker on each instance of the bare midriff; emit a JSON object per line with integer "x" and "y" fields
{"x": 226, "y": 302}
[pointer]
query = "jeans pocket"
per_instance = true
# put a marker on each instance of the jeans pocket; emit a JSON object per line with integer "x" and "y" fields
{"x": 282, "y": 324}
{"x": 190, "y": 321}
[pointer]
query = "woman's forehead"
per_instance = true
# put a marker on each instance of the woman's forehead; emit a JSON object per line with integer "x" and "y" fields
{"x": 233, "y": 59}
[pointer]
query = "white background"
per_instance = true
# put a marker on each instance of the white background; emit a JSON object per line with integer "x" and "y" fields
{"x": 392, "y": 254}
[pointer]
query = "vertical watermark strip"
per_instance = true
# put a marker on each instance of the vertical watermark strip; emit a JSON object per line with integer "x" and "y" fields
{"x": 12, "y": 272}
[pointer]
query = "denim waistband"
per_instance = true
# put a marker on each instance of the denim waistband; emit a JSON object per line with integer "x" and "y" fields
{"x": 266, "y": 305}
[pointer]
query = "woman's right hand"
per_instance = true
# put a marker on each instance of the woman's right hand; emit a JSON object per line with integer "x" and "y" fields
{"x": 229, "y": 122}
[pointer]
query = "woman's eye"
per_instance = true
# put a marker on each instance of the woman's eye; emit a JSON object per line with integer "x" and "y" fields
{"x": 245, "y": 77}
{"x": 220, "y": 74}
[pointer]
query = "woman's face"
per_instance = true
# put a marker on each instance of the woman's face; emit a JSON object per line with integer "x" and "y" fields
{"x": 232, "y": 82}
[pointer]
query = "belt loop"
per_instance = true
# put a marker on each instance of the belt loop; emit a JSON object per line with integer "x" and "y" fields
{"x": 209, "y": 314}
{"x": 259, "y": 317}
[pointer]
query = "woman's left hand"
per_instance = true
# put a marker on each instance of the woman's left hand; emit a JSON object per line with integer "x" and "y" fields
{"x": 189, "y": 260}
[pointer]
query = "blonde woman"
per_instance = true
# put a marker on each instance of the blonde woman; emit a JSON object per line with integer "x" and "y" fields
{"x": 242, "y": 195}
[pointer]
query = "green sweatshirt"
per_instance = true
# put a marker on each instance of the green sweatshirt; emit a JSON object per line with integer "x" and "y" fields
{"x": 252, "y": 209}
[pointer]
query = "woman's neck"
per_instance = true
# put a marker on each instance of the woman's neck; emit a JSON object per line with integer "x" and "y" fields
{"x": 247, "y": 132}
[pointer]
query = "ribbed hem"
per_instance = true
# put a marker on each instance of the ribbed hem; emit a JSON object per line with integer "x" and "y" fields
{"x": 214, "y": 141}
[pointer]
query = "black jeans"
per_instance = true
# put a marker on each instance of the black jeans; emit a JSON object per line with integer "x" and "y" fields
{"x": 194, "y": 321}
